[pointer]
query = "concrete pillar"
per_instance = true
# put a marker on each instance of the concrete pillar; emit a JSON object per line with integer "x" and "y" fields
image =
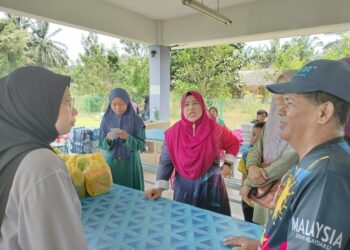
{"x": 159, "y": 81}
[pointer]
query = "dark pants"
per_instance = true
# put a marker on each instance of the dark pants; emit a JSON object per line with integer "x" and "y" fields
{"x": 247, "y": 212}
{"x": 347, "y": 139}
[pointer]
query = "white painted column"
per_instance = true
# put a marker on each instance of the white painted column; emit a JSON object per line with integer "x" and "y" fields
{"x": 159, "y": 81}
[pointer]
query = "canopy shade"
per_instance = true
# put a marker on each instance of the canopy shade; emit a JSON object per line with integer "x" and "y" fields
{"x": 170, "y": 23}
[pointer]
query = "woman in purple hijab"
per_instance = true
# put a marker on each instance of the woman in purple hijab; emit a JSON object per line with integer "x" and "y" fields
{"x": 122, "y": 134}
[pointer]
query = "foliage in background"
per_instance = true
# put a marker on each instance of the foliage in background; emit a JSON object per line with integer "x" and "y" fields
{"x": 90, "y": 103}
{"x": 340, "y": 48}
{"x": 25, "y": 41}
{"x": 99, "y": 70}
{"x": 212, "y": 70}
{"x": 235, "y": 111}
{"x": 13, "y": 46}
{"x": 133, "y": 49}
{"x": 95, "y": 68}
{"x": 292, "y": 54}
{"x": 45, "y": 50}
{"x": 134, "y": 74}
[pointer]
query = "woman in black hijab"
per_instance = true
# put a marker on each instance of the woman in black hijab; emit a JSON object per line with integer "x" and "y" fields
{"x": 39, "y": 208}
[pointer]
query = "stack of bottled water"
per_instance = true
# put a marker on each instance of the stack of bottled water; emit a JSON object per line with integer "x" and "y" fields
{"x": 80, "y": 140}
{"x": 246, "y": 129}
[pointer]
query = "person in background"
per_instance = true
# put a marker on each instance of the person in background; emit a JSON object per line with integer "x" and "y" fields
{"x": 316, "y": 191}
{"x": 135, "y": 106}
{"x": 39, "y": 207}
{"x": 122, "y": 134}
{"x": 261, "y": 116}
{"x": 146, "y": 109}
{"x": 214, "y": 112}
{"x": 271, "y": 157}
{"x": 248, "y": 207}
{"x": 192, "y": 147}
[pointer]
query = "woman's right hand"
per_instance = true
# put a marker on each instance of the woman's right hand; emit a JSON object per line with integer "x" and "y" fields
{"x": 257, "y": 175}
{"x": 111, "y": 135}
{"x": 153, "y": 193}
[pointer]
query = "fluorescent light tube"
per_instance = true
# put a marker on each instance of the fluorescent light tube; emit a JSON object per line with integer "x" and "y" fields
{"x": 207, "y": 11}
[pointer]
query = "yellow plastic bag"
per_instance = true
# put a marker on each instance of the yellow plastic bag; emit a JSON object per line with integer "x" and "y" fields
{"x": 75, "y": 173}
{"x": 77, "y": 176}
{"x": 98, "y": 177}
{"x": 83, "y": 161}
{"x": 78, "y": 180}
{"x": 56, "y": 150}
{"x": 90, "y": 173}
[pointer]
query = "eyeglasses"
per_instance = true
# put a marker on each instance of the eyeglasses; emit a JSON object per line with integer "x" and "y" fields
{"x": 70, "y": 103}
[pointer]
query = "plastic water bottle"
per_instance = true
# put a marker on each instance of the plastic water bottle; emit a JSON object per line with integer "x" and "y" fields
{"x": 155, "y": 113}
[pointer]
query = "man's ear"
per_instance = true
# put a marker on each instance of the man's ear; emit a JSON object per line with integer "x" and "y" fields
{"x": 326, "y": 112}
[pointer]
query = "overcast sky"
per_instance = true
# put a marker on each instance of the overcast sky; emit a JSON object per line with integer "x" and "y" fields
{"x": 72, "y": 38}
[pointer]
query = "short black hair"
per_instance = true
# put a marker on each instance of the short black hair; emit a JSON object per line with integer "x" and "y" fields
{"x": 214, "y": 109}
{"x": 259, "y": 125}
{"x": 341, "y": 107}
{"x": 262, "y": 112}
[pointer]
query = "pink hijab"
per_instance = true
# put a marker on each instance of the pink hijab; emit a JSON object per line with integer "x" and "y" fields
{"x": 193, "y": 147}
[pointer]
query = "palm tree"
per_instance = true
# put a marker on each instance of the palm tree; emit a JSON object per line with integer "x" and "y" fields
{"x": 306, "y": 47}
{"x": 47, "y": 52}
{"x": 339, "y": 48}
{"x": 19, "y": 21}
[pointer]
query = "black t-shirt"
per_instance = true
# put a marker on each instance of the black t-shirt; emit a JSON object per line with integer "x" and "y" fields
{"x": 312, "y": 210}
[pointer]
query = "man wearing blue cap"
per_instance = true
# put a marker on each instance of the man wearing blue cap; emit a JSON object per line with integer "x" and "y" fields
{"x": 311, "y": 206}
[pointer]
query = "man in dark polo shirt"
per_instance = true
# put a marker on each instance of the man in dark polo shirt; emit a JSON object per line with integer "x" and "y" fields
{"x": 312, "y": 205}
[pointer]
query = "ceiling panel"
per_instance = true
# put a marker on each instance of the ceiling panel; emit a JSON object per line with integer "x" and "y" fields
{"x": 168, "y": 9}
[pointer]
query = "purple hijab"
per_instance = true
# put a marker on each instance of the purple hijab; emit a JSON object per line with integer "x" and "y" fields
{"x": 129, "y": 121}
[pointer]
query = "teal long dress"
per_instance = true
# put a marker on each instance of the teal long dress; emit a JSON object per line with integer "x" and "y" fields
{"x": 127, "y": 172}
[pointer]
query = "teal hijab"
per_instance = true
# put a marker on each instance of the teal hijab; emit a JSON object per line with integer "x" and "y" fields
{"x": 30, "y": 100}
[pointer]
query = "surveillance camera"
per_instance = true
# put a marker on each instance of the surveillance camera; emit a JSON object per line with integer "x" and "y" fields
{"x": 153, "y": 53}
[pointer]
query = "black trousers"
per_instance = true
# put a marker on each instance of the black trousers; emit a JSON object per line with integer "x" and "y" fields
{"x": 247, "y": 211}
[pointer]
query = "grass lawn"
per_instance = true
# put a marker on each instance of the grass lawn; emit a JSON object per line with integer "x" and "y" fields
{"x": 235, "y": 112}
{"x": 88, "y": 120}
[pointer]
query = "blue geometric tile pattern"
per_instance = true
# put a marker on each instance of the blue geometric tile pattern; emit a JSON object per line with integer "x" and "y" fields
{"x": 124, "y": 219}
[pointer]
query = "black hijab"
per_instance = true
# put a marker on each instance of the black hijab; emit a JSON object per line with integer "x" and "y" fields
{"x": 30, "y": 100}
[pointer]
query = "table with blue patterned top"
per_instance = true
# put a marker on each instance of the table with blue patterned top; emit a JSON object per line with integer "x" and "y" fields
{"x": 124, "y": 218}
{"x": 155, "y": 134}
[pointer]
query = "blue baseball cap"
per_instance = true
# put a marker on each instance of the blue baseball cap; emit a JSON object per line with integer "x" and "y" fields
{"x": 329, "y": 76}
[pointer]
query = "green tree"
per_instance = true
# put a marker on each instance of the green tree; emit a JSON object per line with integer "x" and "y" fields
{"x": 262, "y": 56}
{"x": 13, "y": 46}
{"x": 134, "y": 76}
{"x": 339, "y": 48}
{"x": 297, "y": 52}
{"x": 134, "y": 69}
{"x": 46, "y": 51}
{"x": 134, "y": 49}
{"x": 22, "y": 23}
{"x": 91, "y": 73}
{"x": 254, "y": 58}
{"x": 212, "y": 70}
{"x": 97, "y": 68}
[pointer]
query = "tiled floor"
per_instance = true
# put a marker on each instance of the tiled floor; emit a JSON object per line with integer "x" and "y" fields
{"x": 236, "y": 210}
